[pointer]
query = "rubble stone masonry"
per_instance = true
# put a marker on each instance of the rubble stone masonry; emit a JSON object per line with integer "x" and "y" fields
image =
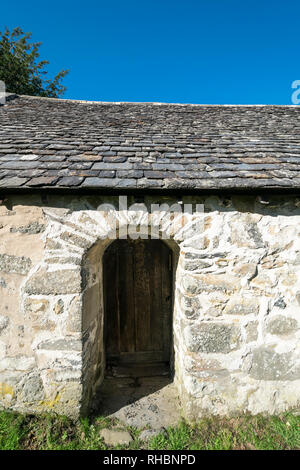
{"x": 236, "y": 302}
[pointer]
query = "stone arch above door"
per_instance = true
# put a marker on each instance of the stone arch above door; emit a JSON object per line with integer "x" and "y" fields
{"x": 65, "y": 287}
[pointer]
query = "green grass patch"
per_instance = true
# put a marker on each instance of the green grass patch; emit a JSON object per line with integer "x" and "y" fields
{"x": 47, "y": 432}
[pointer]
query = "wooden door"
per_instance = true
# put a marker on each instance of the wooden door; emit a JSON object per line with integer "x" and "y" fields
{"x": 138, "y": 307}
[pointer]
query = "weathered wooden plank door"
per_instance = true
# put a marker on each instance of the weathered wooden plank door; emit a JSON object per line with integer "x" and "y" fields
{"x": 138, "y": 307}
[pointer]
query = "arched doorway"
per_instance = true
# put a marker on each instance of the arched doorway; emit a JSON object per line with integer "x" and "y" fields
{"x": 137, "y": 276}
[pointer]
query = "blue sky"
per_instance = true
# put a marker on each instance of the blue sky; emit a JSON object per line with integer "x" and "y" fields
{"x": 188, "y": 51}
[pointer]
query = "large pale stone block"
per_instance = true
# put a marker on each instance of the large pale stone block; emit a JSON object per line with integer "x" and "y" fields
{"x": 269, "y": 365}
{"x": 65, "y": 281}
{"x": 240, "y": 305}
{"x": 33, "y": 389}
{"x": 63, "y": 344}
{"x": 212, "y": 337}
{"x": 210, "y": 283}
{"x": 281, "y": 325}
{"x": 14, "y": 264}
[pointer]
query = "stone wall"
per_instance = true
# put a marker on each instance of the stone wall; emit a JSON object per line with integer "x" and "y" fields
{"x": 236, "y": 302}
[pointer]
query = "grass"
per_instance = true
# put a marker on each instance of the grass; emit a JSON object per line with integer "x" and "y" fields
{"x": 246, "y": 432}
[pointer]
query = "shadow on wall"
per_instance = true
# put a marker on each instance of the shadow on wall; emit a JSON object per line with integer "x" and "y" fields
{"x": 269, "y": 202}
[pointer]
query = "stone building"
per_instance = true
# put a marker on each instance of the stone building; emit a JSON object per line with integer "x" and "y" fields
{"x": 213, "y": 299}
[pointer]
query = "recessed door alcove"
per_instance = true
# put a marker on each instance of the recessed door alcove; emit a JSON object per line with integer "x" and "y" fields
{"x": 137, "y": 287}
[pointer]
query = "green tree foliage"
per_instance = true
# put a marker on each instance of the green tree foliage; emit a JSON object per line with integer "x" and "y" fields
{"x": 20, "y": 69}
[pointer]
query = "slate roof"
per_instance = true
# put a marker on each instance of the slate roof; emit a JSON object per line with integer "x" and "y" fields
{"x": 50, "y": 143}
